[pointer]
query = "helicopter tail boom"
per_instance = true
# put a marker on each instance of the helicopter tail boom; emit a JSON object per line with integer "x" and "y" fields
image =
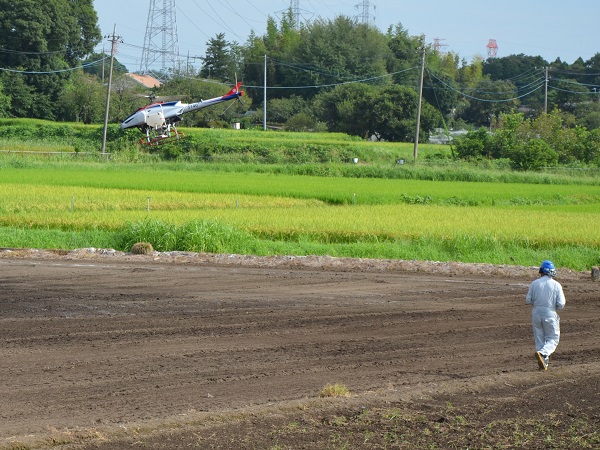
{"x": 231, "y": 95}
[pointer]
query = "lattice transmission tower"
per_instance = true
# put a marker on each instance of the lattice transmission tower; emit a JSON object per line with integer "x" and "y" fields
{"x": 492, "y": 48}
{"x": 438, "y": 45}
{"x": 364, "y": 15}
{"x": 297, "y": 13}
{"x": 160, "y": 42}
{"x": 295, "y": 8}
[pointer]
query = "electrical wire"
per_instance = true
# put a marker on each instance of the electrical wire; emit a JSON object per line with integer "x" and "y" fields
{"x": 464, "y": 94}
{"x": 16, "y": 52}
{"x": 562, "y": 80}
{"x": 223, "y": 22}
{"x": 531, "y": 87}
{"x": 234, "y": 11}
{"x": 572, "y": 92}
{"x": 523, "y": 75}
{"x": 553, "y": 69}
{"x": 310, "y": 69}
{"x": 258, "y": 9}
{"x": 191, "y": 21}
{"x": 507, "y": 99}
{"x": 70, "y": 69}
{"x": 319, "y": 86}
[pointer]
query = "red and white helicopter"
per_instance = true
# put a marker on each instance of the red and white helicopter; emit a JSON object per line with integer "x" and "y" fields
{"x": 158, "y": 120}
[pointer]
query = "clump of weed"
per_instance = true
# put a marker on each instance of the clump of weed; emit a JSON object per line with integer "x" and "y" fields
{"x": 142, "y": 248}
{"x": 335, "y": 390}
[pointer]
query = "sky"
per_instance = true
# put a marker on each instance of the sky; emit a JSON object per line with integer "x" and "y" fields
{"x": 548, "y": 28}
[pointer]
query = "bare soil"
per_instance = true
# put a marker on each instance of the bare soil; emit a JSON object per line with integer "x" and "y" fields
{"x": 107, "y": 350}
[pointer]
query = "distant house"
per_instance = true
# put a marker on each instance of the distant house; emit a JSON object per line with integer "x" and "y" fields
{"x": 145, "y": 80}
{"x": 441, "y": 136}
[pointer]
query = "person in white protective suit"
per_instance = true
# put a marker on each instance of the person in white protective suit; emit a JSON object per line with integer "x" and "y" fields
{"x": 546, "y": 296}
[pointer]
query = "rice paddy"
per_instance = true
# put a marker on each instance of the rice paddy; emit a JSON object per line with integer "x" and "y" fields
{"x": 271, "y": 213}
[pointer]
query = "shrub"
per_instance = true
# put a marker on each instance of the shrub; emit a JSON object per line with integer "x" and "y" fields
{"x": 162, "y": 234}
{"x": 473, "y": 145}
{"x": 534, "y": 155}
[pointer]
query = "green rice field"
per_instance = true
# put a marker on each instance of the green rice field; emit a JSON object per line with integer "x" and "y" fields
{"x": 200, "y": 209}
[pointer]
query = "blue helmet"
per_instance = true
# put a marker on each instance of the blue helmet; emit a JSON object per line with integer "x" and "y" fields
{"x": 547, "y": 268}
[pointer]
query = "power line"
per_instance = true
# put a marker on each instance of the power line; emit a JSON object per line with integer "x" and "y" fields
{"x": 535, "y": 87}
{"x": 17, "y": 52}
{"x": 49, "y": 72}
{"x": 319, "y": 86}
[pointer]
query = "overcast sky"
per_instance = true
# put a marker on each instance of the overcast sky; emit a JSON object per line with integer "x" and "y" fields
{"x": 548, "y": 28}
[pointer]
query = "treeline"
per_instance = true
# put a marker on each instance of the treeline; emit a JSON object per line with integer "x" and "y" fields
{"x": 324, "y": 75}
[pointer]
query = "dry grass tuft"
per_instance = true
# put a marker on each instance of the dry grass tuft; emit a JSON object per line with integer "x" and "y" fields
{"x": 335, "y": 390}
{"x": 142, "y": 248}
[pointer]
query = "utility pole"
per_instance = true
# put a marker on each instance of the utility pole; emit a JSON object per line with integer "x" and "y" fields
{"x": 114, "y": 39}
{"x": 416, "y": 151}
{"x": 103, "y": 63}
{"x": 546, "y": 93}
{"x": 265, "y": 98}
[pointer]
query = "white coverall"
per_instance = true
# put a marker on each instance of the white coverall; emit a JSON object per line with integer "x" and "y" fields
{"x": 546, "y": 295}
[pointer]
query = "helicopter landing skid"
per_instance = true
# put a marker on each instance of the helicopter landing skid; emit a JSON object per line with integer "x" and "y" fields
{"x": 161, "y": 138}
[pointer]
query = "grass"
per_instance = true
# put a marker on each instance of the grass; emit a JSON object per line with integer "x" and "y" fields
{"x": 374, "y": 427}
{"x": 383, "y": 428}
{"x": 438, "y": 427}
{"x": 334, "y": 390}
{"x": 213, "y": 208}
{"x": 50, "y": 238}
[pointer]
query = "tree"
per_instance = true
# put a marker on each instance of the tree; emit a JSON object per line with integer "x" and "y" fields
{"x": 532, "y": 144}
{"x": 389, "y": 112}
{"x": 219, "y": 61}
{"x": 339, "y": 50}
{"x": 405, "y": 54}
{"x": 474, "y": 145}
{"x": 280, "y": 110}
{"x": 525, "y": 72}
{"x": 534, "y": 154}
{"x": 44, "y": 38}
{"x": 346, "y": 108}
{"x": 441, "y": 90}
{"x": 588, "y": 113}
{"x": 489, "y": 100}
{"x": 567, "y": 94}
{"x": 82, "y": 99}
{"x": 100, "y": 69}
{"x": 4, "y": 101}
{"x": 470, "y": 75}
{"x": 22, "y": 95}
{"x": 323, "y": 52}
{"x": 394, "y": 114}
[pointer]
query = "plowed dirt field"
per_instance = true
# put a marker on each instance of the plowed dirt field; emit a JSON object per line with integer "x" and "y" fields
{"x": 180, "y": 351}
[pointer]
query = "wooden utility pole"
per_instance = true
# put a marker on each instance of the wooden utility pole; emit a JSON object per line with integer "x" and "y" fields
{"x": 114, "y": 39}
{"x": 416, "y": 151}
{"x": 546, "y": 93}
{"x": 265, "y": 98}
